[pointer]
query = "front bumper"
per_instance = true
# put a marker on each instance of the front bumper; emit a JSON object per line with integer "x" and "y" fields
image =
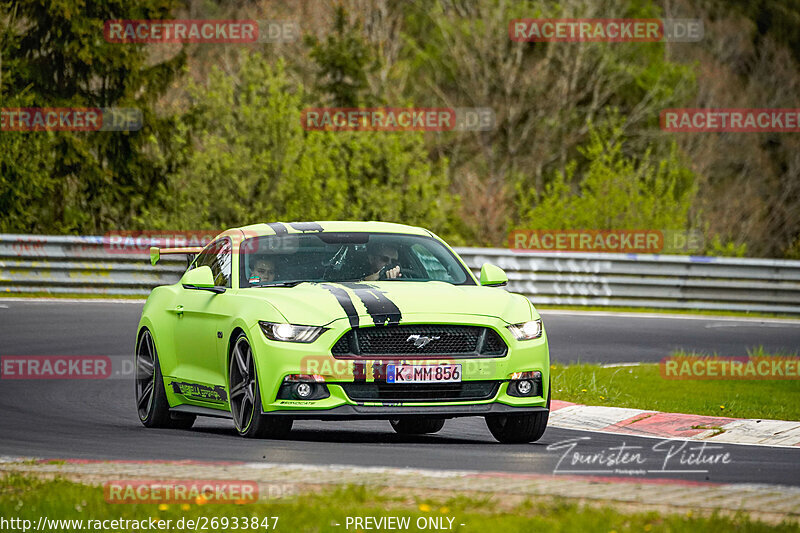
{"x": 276, "y": 360}
{"x": 349, "y": 412}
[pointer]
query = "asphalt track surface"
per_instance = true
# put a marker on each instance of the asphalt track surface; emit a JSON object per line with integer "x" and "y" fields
{"x": 95, "y": 419}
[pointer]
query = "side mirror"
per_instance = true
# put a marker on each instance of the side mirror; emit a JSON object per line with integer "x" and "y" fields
{"x": 200, "y": 278}
{"x": 493, "y": 276}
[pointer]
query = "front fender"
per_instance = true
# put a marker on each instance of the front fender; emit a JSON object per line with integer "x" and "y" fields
{"x": 157, "y": 318}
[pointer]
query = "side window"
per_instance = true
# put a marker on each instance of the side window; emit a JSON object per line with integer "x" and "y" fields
{"x": 432, "y": 265}
{"x": 218, "y": 256}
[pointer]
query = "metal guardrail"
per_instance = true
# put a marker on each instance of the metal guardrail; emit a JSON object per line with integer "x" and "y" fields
{"x": 75, "y": 265}
{"x": 79, "y": 265}
{"x": 638, "y": 280}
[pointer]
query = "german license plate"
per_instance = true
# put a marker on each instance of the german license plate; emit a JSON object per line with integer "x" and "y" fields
{"x": 423, "y": 373}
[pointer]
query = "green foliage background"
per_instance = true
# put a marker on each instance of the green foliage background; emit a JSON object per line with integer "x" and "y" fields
{"x": 576, "y": 145}
{"x": 254, "y": 162}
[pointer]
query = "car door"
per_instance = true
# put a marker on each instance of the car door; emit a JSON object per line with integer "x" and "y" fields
{"x": 200, "y": 372}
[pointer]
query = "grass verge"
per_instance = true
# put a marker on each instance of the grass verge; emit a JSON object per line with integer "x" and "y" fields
{"x": 29, "y": 498}
{"x": 643, "y": 387}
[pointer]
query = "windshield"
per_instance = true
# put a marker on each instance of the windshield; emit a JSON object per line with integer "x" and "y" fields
{"x": 288, "y": 259}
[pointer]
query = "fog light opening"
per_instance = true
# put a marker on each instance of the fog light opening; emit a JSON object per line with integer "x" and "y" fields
{"x": 525, "y": 384}
{"x": 303, "y": 387}
{"x": 303, "y": 390}
{"x": 524, "y": 387}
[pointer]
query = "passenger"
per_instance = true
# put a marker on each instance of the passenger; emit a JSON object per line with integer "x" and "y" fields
{"x": 263, "y": 271}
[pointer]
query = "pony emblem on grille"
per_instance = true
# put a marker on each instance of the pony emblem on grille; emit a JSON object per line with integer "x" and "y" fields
{"x": 421, "y": 340}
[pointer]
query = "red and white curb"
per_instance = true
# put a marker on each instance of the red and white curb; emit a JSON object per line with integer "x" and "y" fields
{"x": 643, "y": 423}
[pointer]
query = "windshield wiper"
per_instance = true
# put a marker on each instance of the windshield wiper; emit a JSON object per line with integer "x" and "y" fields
{"x": 284, "y": 283}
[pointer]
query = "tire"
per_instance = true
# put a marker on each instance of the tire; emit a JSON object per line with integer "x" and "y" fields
{"x": 417, "y": 426}
{"x": 519, "y": 429}
{"x": 151, "y": 400}
{"x": 245, "y": 397}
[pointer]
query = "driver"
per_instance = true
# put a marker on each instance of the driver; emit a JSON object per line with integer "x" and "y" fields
{"x": 383, "y": 255}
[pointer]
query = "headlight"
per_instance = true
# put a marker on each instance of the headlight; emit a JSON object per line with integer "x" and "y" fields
{"x": 291, "y": 332}
{"x": 525, "y": 331}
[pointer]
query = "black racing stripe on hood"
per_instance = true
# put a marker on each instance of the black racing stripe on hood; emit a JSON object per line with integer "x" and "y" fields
{"x": 344, "y": 300}
{"x": 306, "y": 226}
{"x": 381, "y": 309}
{"x": 278, "y": 228}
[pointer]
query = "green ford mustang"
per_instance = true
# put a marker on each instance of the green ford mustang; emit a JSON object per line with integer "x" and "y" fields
{"x": 340, "y": 320}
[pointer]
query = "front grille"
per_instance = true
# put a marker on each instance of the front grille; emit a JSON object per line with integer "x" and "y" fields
{"x": 420, "y": 392}
{"x": 394, "y": 340}
{"x": 443, "y": 340}
{"x": 342, "y": 346}
{"x": 493, "y": 344}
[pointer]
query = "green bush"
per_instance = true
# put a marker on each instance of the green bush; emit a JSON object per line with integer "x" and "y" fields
{"x": 252, "y": 161}
{"x": 616, "y": 191}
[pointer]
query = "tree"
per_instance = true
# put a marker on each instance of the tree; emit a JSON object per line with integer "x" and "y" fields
{"x": 253, "y": 162}
{"x": 54, "y": 55}
{"x": 615, "y": 192}
{"x": 544, "y": 95}
{"x": 343, "y": 61}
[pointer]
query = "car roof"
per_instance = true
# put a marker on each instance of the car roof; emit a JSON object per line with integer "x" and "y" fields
{"x": 275, "y": 228}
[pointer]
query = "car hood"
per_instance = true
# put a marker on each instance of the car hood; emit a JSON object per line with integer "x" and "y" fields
{"x": 386, "y": 302}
